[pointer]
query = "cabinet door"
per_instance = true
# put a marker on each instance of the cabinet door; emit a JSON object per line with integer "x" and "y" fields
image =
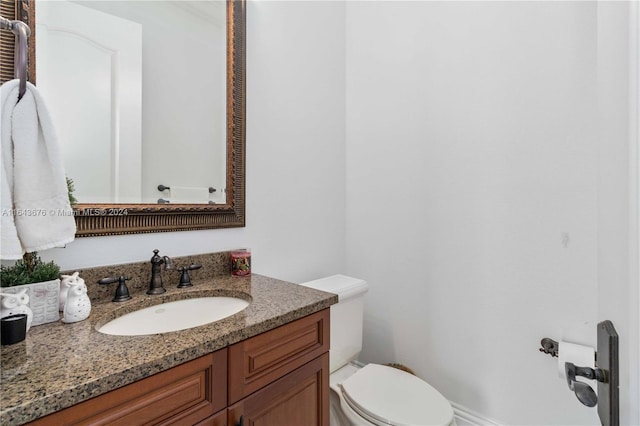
{"x": 182, "y": 395}
{"x": 301, "y": 398}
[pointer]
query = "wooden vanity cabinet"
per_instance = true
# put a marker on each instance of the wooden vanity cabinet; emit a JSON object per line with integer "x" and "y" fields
{"x": 181, "y": 395}
{"x": 301, "y": 398}
{"x": 281, "y": 377}
{"x": 218, "y": 419}
{"x": 262, "y": 359}
{"x": 277, "y": 378}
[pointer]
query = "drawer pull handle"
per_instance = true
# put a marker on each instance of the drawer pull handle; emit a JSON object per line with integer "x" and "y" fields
{"x": 241, "y": 421}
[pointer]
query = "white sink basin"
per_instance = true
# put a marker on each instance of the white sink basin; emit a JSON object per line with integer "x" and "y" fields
{"x": 174, "y": 316}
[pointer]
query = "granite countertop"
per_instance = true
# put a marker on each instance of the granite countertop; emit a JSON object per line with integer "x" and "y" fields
{"x": 59, "y": 365}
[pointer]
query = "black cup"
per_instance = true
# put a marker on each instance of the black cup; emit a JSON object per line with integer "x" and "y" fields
{"x": 13, "y": 329}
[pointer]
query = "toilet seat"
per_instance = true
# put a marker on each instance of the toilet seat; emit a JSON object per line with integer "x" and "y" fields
{"x": 387, "y": 396}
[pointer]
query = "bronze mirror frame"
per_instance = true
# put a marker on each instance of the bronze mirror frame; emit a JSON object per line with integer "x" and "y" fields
{"x": 116, "y": 219}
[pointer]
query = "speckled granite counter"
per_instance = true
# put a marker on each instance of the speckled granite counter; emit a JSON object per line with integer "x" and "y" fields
{"x": 59, "y": 365}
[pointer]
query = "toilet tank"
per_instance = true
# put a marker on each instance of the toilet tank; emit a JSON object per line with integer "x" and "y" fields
{"x": 346, "y": 316}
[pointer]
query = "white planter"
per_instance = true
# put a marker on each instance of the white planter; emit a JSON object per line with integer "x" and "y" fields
{"x": 43, "y": 300}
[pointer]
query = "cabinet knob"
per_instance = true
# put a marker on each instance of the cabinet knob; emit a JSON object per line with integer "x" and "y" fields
{"x": 241, "y": 421}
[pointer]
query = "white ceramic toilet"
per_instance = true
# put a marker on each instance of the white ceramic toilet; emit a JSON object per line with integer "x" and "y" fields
{"x": 374, "y": 394}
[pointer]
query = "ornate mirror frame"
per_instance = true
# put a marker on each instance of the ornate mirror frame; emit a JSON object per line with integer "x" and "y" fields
{"x": 115, "y": 219}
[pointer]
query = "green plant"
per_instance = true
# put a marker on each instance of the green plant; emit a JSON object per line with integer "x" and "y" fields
{"x": 30, "y": 269}
{"x": 70, "y": 189}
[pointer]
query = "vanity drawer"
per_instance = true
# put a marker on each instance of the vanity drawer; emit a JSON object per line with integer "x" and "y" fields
{"x": 259, "y": 360}
{"x": 181, "y": 395}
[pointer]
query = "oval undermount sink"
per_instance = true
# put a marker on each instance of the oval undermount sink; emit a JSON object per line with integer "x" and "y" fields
{"x": 174, "y": 316}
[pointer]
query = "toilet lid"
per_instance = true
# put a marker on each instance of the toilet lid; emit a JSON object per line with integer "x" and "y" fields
{"x": 386, "y": 395}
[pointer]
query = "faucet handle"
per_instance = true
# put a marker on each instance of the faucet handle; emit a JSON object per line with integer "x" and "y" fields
{"x": 194, "y": 266}
{"x": 122, "y": 292}
{"x": 185, "y": 279}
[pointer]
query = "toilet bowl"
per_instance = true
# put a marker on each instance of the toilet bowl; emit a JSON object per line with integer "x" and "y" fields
{"x": 373, "y": 394}
{"x": 381, "y": 395}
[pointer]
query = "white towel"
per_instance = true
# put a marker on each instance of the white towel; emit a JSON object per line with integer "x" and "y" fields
{"x": 36, "y": 214}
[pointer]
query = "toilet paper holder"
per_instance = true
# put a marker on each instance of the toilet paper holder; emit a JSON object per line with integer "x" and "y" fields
{"x": 549, "y": 346}
{"x": 606, "y": 373}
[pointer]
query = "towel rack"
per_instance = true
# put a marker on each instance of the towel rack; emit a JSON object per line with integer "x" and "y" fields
{"x": 22, "y": 33}
{"x": 162, "y": 187}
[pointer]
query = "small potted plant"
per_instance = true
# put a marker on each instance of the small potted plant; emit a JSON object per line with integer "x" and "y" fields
{"x": 42, "y": 281}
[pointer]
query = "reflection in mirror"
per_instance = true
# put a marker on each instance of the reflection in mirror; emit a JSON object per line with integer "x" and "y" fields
{"x": 98, "y": 219}
{"x": 137, "y": 91}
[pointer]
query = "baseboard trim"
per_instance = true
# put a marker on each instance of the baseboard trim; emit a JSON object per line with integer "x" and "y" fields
{"x": 467, "y": 417}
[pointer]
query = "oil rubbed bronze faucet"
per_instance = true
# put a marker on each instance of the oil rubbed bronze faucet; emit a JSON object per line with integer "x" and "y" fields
{"x": 155, "y": 286}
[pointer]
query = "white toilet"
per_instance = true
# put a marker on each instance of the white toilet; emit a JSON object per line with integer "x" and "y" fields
{"x": 374, "y": 394}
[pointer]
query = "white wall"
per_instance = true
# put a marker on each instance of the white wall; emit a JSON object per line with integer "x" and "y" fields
{"x": 472, "y": 186}
{"x": 474, "y": 196}
{"x": 295, "y": 154}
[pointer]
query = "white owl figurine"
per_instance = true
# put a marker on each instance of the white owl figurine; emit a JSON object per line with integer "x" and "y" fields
{"x": 13, "y": 304}
{"x": 78, "y": 305}
{"x": 65, "y": 283}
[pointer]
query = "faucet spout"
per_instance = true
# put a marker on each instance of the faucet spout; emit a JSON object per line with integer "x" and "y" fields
{"x": 168, "y": 263}
{"x": 156, "y": 286}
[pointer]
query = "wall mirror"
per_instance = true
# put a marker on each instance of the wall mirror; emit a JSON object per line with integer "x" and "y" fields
{"x": 148, "y": 99}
